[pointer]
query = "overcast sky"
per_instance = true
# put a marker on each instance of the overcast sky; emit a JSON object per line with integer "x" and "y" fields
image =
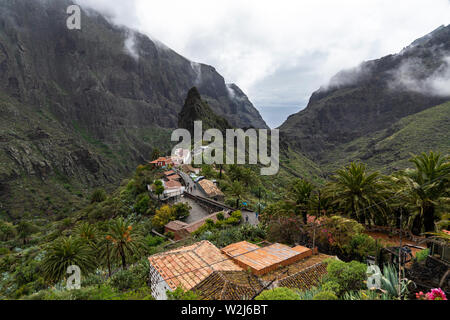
{"x": 279, "y": 52}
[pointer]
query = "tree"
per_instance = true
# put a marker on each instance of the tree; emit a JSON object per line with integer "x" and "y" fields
{"x": 237, "y": 190}
{"x": 356, "y": 191}
{"x": 142, "y": 203}
{"x": 276, "y": 210}
{"x": 163, "y": 216}
{"x": 25, "y": 229}
{"x": 155, "y": 154}
{"x": 87, "y": 232}
{"x": 284, "y": 229}
{"x": 126, "y": 240}
{"x": 158, "y": 188}
{"x": 64, "y": 252}
{"x": 182, "y": 210}
{"x": 301, "y": 191}
{"x": 424, "y": 189}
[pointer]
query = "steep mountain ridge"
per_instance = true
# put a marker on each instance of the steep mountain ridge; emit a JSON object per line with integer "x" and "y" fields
{"x": 81, "y": 108}
{"x": 362, "y": 102}
{"x": 196, "y": 109}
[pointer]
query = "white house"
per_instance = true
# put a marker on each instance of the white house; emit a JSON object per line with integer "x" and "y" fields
{"x": 181, "y": 156}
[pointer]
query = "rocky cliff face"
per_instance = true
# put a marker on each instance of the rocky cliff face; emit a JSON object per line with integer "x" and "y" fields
{"x": 373, "y": 97}
{"x": 85, "y": 106}
{"x": 196, "y": 109}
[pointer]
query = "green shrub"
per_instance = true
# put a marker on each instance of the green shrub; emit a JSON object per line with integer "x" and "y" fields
{"x": 123, "y": 280}
{"x": 99, "y": 195}
{"x": 153, "y": 241}
{"x": 361, "y": 245}
{"x": 422, "y": 255}
{"x": 309, "y": 294}
{"x": 180, "y": 294}
{"x": 350, "y": 276}
{"x": 220, "y": 216}
{"x": 142, "y": 203}
{"x": 278, "y": 294}
{"x": 237, "y": 215}
{"x": 331, "y": 286}
{"x": 325, "y": 295}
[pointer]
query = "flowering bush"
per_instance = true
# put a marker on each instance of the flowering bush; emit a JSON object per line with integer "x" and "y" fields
{"x": 434, "y": 294}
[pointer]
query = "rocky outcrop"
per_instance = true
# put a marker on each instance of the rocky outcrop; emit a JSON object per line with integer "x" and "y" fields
{"x": 372, "y": 97}
{"x": 195, "y": 109}
{"x": 86, "y": 106}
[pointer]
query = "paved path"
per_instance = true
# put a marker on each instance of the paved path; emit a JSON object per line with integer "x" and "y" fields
{"x": 197, "y": 211}
{"x": 191, "y": 187}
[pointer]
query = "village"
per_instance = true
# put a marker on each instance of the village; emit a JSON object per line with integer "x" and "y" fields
{"x": 241, "y": 270}
{"x": 236, "y": 272}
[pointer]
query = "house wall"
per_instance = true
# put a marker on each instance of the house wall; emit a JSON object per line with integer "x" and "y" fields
{"x": 158, "y": 285}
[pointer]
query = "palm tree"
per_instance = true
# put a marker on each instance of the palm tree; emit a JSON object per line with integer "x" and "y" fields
{"x": 125, "y": 240}
{"x": 87, "y": 232}
{"x": 356, "y": 191}
{"x": 424, "y": 189}
{"x": 319, "y": 203}
{"x": 237, "y": 191}
{"x": 64, "y": 252}
{"x": 301, "y": 191}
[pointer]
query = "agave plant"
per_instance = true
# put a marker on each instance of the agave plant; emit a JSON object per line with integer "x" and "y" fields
{"x": 390, "y": 282}
{"x": 365, "y": 295}
{"x": 308, "y": 294}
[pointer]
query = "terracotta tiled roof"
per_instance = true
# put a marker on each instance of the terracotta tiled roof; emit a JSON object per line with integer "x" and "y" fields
{"x": 172, "y": 184}
{"x": 176, "y": 225}
{"x": 228, "y": 285}
{"x": 188, "y": 168}
{"x": 174, "y": 177}
{"x": 169, "y": 173}
{"x": 294, "y": 268}
{"x": 188, "y": 266}
{"x": 210, "y": 188}
{"x": 305, "y": 279}
{"x": 262, "y": 260}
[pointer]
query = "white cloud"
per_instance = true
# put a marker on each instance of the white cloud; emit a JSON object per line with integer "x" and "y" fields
{"x": 279, "y": 52}
{"x": 410, "y": 77}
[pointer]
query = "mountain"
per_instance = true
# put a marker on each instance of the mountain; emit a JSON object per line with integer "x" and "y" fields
{"x": 81, "y": 108}
{"x": 364, "y": 113}
{"x": 196, "y": 109}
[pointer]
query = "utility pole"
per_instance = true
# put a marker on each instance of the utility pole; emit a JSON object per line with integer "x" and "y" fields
{"x": 400, "y": 257}
{"x": 259, "y": 201}
{"x": 314, "y": 238}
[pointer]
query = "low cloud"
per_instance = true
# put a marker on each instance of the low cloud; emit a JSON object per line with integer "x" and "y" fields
{"x": 130, "y": 45}
{"x": 279, "y": 53}
{"x": 414, "y": 75}
{"x": 198, "y": 72}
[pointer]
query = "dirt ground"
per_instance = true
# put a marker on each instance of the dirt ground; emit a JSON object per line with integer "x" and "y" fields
{"x": 387, "y": 240}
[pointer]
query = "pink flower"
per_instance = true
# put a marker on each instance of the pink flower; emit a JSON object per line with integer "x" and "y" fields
{"x": 434, "y": 294}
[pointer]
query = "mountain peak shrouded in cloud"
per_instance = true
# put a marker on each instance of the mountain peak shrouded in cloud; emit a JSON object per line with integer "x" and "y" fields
{"x": 279, "y": 53}
{"x": 371, "y": 100}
